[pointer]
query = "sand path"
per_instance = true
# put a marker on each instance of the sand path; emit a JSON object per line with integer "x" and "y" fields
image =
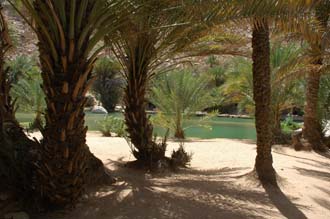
{"x": 212, "y": 188}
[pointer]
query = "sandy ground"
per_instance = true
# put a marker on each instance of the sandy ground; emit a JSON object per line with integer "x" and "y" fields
{"x": 216, "y": 186}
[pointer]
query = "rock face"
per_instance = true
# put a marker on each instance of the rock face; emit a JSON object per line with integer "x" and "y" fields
{"x": 20, "y": 32}
{"x": 17, "y": 215}
{"x": 99, "y": 110}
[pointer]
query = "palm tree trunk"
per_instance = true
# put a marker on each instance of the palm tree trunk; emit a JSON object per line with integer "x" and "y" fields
{"x": 66, "y": 165}
{"x": 179, "y": 133}
{"x": 139, "y": 128}
{"x": 138, "y": 125}
{"x": 278, "y": 136}
{"x": 262, "y": 98}
{"x": 312, "y": 130}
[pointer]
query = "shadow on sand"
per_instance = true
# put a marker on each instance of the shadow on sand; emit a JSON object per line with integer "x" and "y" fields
{"x": 187, "y": 194}
{"x": 283, "y": 203}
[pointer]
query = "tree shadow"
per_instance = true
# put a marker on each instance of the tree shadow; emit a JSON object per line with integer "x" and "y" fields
{"x": 187, "y": 194}
{"x": 314, "y": 173}
{"x": 282, "y": 202}
{"x": 191, "y": 140}
{"x": 324, "y": 154}
{"x": 324, "y": 202}
{"x": 288, "y": 155}
{"x": 226, "y": 171}
{"x": 317, "y": 164}
{"x": 247, "y": 141}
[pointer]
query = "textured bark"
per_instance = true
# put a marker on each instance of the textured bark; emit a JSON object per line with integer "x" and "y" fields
{"x": 66, "y": 164}
{"x": 139, "y": 128}
{"x": 276, "y": 119}
{"x": 262, "y": 98}
{"x": 179, "y": 133}
{"x": 278, "y": 137}
{"x": 312, "y": 130}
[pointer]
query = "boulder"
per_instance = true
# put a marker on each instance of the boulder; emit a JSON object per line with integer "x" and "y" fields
{"x": 99, "y": 110}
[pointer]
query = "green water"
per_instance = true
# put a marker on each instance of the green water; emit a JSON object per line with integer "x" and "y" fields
{"x": 232, "y": 128}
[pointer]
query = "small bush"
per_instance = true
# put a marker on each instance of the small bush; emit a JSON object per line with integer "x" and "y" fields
{"x": 288, "y": 125}
{"x": 180, "y": 157}
{"x": 112, "y": 124}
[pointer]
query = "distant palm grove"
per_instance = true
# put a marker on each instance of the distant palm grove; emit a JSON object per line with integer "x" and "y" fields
{"x": 267, "y": 60}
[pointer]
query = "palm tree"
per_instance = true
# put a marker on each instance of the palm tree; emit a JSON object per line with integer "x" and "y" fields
{"x": 179, "y": 95}
{"x": 262, "y": 12}
{"x": 68, "y": 32}
{"x": 30, "y": 96}
{"x": 157, "y": 34}
{"x": 287, "y": 62}
{"x": 156, "y": 37}
{"x": 152, "y": 38}
{"x": 238, "y": 88}
{"x": 312, "y": 130}
{"x": 262, "y": 98}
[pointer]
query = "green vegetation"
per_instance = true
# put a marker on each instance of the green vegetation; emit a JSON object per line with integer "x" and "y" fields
{"x": 324, "y": 100}
{"x": 68, "y": 34}
{"x": 180, "y": 157}
{"x": 287, "y": 93}
{"x": 108, "y": 84}
{"x": 288, "y": 125}
{"x": 232, "y": 128}
{"x": 27, "y": 90}
{"x": 179, "y": 95}
{"x": 19, "y": 66}
{"x": 112, "y": 124}
{"x": 143, "y": 39}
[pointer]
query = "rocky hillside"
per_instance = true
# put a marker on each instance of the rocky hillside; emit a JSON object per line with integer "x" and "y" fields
{"x": 23, "y": 38}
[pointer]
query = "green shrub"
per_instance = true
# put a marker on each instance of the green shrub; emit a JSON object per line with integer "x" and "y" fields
{"x": 20, "y": 66}
{"x": 180, "y": 157}
{"x": 288, "y": 125}
{"x": 111, "y": 124}
{"x": 25, "y": 76}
